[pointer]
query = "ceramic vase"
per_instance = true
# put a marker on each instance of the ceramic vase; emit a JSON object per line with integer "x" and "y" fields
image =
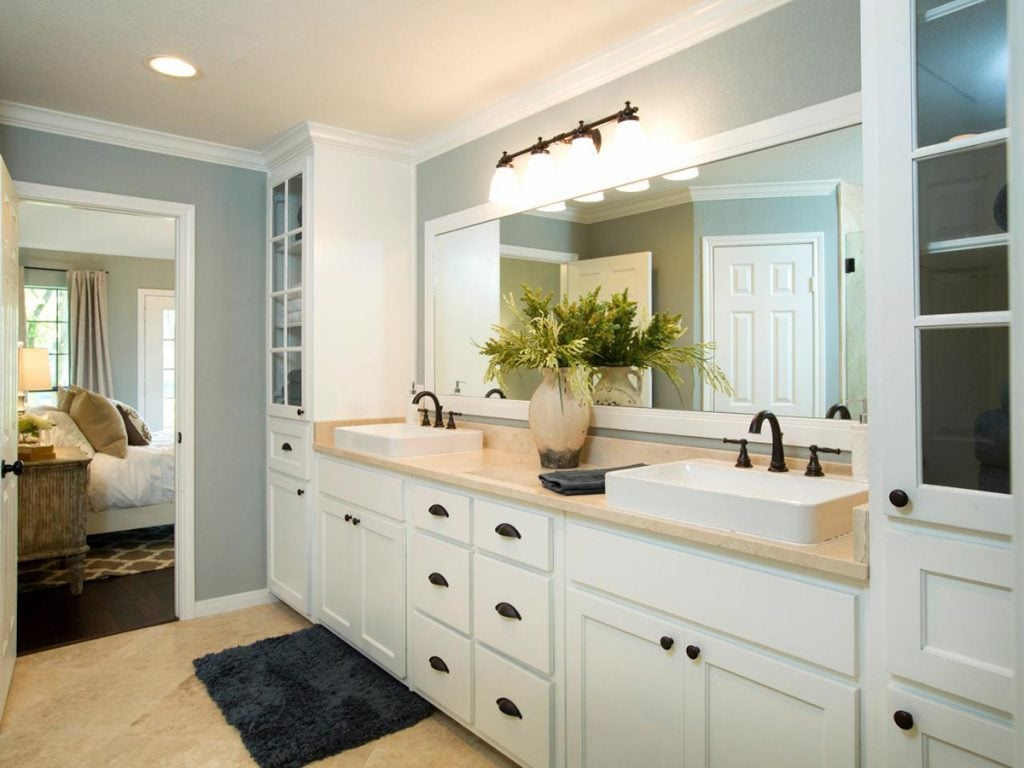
{"x": 558, "y": 421}
{"x": 619, "y": 385}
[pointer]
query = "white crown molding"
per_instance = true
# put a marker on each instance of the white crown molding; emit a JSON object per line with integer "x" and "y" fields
{"x": 92, "y": 129}
{"x": 682, "y": 31}
{"x": 309, "y": 134}
{"x": 816, "y": 188}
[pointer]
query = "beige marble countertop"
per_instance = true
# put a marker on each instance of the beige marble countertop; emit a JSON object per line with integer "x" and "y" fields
{"x": 506, "y": 471}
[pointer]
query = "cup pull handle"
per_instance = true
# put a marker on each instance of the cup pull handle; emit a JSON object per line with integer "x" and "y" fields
{"x": 507, "y": 530}
{"x": 437, "y": 579}
{"x": 436, "y": 662}
{"x": 508, "y": 611}
{"x": 437, "y": 510}
{"x": 286, "y": 447}
{"x": 508, "y": 708}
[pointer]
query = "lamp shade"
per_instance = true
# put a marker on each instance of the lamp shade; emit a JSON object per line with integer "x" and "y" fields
{"x": 34, "y": 369}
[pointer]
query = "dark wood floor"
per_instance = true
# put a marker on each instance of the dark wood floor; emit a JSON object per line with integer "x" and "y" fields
{"x": 48, "y": 618}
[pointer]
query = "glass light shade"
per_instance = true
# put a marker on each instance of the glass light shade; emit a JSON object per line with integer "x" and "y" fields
{"x": 636, "y": 186}
{"x": 597, "y": 197}
{"x": 172, "y": 66}
{"x": 504, "y": 185}
{"x": 582, "y": 161}
{"x": 629, "y": 139}
{"x": 553, "y": 208}
{"x": 684, "y": 175}
{"x": 34, "y": 369}
{"x": 540, "y": 174}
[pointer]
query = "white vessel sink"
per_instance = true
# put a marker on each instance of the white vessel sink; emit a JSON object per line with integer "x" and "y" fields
{"x": 786, "y": 506}
{"x": 399, "y": 441}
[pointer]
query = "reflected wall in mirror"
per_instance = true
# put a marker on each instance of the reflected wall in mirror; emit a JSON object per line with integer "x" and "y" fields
{"x": 761, "y": 253}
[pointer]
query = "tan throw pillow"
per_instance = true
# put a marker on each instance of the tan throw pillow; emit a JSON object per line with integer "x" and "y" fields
{"x": 101, "y": 423}
{"x": 67, "y": 396}
{"x": 135, "y": 437}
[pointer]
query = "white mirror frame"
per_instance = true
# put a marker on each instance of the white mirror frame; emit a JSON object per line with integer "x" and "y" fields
{"x": 811, "y": 121}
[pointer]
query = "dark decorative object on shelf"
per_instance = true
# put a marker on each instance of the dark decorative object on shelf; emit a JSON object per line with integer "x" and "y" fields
{"x": 999, "y": 209}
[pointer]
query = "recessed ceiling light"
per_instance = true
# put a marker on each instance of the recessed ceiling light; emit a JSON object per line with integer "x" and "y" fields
{"x": 172, "y": 66}
{"x": 684, "y": 175}
{"x": 636, "y": 186}
{"x": 597, "y": 197}
{"x": 553, "y": 208}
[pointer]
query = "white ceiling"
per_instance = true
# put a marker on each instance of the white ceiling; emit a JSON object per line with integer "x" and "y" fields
{"x": 399, "y": 69}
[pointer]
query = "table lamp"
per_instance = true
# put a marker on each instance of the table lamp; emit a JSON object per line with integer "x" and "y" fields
{"x": 33, "y": 373}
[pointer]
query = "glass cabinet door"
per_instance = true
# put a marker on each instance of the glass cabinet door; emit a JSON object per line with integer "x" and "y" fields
{"x": 285, "y": 307}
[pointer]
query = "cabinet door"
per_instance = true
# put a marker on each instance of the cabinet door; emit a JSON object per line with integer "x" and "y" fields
{"x": 938, "y": 735}
{"x": 339, "y": 568}
{"x": 382, "y": 559}
{"x": 288, "y": 529}
{"x": 625, "y": 691}
{"x": 744, "y": 708}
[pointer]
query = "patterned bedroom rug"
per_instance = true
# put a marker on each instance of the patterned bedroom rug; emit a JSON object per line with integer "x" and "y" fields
{"x": 121, "y": 553}
{"x": 305, "y": 696}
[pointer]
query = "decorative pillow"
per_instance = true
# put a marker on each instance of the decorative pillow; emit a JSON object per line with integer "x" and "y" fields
{"x": 66, "y": 396}
{"x": 134, "y": 436}
{"x": 137, "y": 421}
{"x": 101, "y": 423}
{"x": 66, "y": 433}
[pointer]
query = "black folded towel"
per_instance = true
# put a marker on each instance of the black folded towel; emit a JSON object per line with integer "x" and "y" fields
{"x": 579, "y": 482}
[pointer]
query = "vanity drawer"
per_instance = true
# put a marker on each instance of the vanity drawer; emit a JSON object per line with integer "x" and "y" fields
{"x": 440, "y": 580}
{"x": 501, "y": 592}
{"x": 289, "y": 444}
{"x": 441, "y": 512}
{"x": 766, "y": 608}
{"x": 513, "y": 533}
{"x": 441, "y": 666}
{"x": 368, "y": 489}
{"x": 513, "y": 707}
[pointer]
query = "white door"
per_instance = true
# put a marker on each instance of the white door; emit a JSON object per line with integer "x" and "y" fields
{"x": 156, "y": 357}
{"x": 762, "y": 311}
{"x": 382, "y": 554}
{"x": 339, "y": 568}
{"x": 288, "y": 540}
{"x": 615, "y": 274}
{"x": 8, "y": 429}
{"x": 625, "y": 690}
{"x": 467, "y": 284}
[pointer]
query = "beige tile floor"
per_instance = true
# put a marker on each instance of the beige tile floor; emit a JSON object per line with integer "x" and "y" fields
{"x": 132, "y": 700}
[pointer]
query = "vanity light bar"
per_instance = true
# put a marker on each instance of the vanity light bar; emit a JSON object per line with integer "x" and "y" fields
{"x": 503, "y": 186}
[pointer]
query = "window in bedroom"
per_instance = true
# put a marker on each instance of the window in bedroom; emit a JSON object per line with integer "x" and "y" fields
{"x": 47, "y": 325}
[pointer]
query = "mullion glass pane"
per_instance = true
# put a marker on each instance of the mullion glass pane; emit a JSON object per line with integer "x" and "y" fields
{"x": 973, "y": 280}
{"x": 294, "y": 378}
{"x": 277, "y": 321}
{"x": 277, "y": 210}
{"x": 295, "y": 202}
{"x": 294, "y": 262}
{"x": 277, "y": 377}
{"x": 965, "y": 415}
{"x": 277, "y": 266}
{"x": 962, "y": 195}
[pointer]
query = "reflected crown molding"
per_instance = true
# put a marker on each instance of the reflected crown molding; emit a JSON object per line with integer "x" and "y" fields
{"x": 814, "y": 188}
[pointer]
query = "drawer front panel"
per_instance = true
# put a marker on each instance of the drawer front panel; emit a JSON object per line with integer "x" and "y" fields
{"x": 526, "y": 732}
{"x": 441, "y": 512}
{"x": 368, "y": 489}
{"x": 289, "y": 445}
{"x": 441, "y": 664}
{"x": 440, "y": 580}
{"x": 513, "y": 533}
{"x": 512, "y": 611}
{"x": 808, "y": 621}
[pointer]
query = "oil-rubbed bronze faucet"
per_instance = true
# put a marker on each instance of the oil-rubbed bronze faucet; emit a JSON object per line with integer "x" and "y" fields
{"x": 438, "y": 415}
{"x": 778, "y": 462}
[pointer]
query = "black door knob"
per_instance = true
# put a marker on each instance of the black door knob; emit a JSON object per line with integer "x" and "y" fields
{"x": 16, "y": 468}
{"x": 437, "y": 510}
{"x": 692, "y": 651}
{"x": 903, "y": 719}
{"x": 667, "y": 642}
{"x": 508, "y": 708}
{"x": 286, "y": 447}
{"x": 437, "y": 579}
{"x": 898, "y": 498}
{"x": 508, "y": 611}
{"x": 508, "y": 531}
{"x": 436, "y": 662}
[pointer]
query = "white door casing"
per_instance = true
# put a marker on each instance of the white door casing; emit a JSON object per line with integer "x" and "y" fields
{"x": 614, "y": 274}
{"x": 9, "y": 304}
{"x": 763, "y": 309}
{"x": 153, "y": 303}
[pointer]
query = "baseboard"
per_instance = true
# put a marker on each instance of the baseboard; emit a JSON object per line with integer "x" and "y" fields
{"x": 235, "y": 602}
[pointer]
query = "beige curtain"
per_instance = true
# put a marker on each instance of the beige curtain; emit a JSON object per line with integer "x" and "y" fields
{"x": 90, "y": 337}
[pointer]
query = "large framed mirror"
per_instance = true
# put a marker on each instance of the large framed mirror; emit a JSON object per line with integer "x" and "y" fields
{"x": 760, "y": 252}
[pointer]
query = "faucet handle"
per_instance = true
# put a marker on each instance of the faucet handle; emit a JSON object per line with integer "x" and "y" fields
{"x": 451, "y": 419}
{"x": 813, "y": 465}
{"x": 743, "y": 460}
{"x": 425, "y": 422}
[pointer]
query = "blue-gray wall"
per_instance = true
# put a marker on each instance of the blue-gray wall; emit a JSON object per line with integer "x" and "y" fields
{"x": 798, "y": 55}
{"x": 229, "y": 322}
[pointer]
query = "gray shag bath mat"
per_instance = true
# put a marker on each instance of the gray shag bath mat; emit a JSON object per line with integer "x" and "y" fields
{"x": 305, "y": 696}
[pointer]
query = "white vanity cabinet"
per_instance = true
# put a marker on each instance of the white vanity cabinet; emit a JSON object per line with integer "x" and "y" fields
{"x": 361, "y": 571}
{"x": 485, "y": 599}
{"x": 289, "y": 522}
{"x": 652, "y": 680}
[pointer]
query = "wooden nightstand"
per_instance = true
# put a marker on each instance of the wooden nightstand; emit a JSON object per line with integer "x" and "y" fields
{"x": 51, "y": 512}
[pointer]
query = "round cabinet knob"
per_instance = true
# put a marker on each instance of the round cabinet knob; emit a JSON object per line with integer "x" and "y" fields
{"x": 692, "y": 651}
{"x": 301, "y": 412}
{"x": 348, "y": 518}
{"x": 300, "y": 492}
{"x": 356, "y": 521}
{"x": 667, "y": 642}
{"x": 898, "y": 498}
{"x": 903, "y": 719}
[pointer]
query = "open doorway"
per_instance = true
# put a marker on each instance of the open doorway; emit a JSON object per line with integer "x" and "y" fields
{"x": 107, "y": 295}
